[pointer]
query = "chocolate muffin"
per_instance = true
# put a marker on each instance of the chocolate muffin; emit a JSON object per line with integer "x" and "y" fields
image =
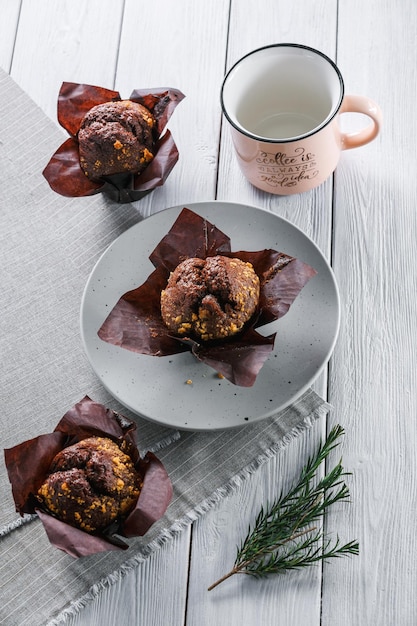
{"x": 210, "y": 298}
{"x": 115, "y": 138}
{"x": 90, "y": 484}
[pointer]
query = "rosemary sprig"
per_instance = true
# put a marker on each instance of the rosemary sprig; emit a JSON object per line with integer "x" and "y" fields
{"x": 285, "y": 535}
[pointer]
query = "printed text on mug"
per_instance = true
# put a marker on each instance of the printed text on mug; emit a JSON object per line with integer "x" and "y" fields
{"x": 286, "y": 169}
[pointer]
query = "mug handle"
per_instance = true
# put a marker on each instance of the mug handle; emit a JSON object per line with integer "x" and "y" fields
{"x": 361, "y": 104}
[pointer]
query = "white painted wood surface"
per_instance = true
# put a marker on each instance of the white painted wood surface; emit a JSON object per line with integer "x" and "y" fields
{"x": 364, "y": 220}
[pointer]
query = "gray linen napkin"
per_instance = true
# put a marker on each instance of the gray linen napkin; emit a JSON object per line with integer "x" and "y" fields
{"x": 47, "y": 242}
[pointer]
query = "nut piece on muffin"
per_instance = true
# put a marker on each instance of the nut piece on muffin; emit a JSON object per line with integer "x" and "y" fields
{"x": 91, "y": 484}
{"x": 115, "y": 138}
{"x": 210, "y": 298}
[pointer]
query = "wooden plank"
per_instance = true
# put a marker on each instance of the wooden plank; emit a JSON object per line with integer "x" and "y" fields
{"x": 374, "y": 378}
{"x": 293, "y": 599}
{"x": 65, "y": 41}
{"x": 8, "y": 28}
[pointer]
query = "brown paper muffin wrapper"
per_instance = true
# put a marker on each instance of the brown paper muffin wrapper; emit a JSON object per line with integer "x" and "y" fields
{"x": 135, "y": 322}
{"x": 64, "y": 173}
{"x": 28, "y": 464}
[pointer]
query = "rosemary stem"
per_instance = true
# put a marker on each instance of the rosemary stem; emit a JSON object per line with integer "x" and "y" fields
{"x": 238, "y": 569}
{"x": 235, "y": 570}
{"x": 290, "y": 518}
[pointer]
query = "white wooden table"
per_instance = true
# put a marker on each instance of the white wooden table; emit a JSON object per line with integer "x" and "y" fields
{"x": 364, "y": 219}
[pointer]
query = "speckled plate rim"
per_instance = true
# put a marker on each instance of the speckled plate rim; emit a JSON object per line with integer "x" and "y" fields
{"x": 180, "y": 392}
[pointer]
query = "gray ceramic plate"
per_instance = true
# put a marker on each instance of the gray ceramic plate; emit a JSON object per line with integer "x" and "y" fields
{"x": 156, "y": 387}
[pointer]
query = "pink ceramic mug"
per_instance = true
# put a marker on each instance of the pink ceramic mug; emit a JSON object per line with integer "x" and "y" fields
{"x": 283, "y": 103}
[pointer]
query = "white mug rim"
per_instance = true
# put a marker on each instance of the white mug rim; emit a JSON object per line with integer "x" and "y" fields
{"x": 310, "y": 133}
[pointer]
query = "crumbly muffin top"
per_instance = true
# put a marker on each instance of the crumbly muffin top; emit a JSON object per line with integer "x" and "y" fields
{"x": 90, "y": 484}
{"x": 116, "y": 137}
{"x": 210, "y": 298}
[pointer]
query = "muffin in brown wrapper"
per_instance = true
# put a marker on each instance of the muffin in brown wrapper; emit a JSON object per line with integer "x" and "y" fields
{"x": 38, "y": 469}
{"x": 137, "y": 156}
{"x": 136, "y": 323}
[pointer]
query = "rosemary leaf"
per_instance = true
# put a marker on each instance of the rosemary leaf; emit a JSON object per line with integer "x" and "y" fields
{"x": 285, "y": 535}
